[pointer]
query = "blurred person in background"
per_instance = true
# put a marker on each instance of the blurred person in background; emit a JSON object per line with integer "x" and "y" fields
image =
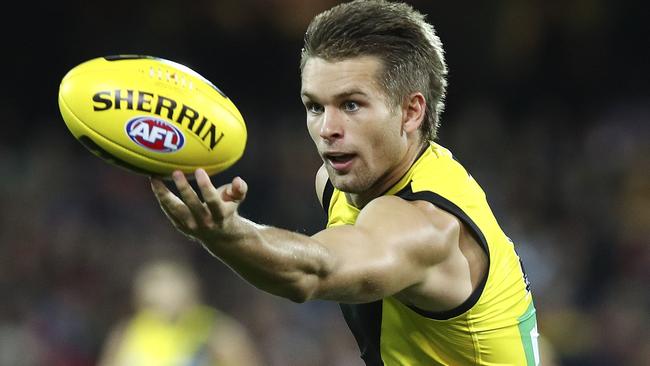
{"x": 171, "y": 326}
{"x": 411, "y": 238}
{"x": 553, "y": 93}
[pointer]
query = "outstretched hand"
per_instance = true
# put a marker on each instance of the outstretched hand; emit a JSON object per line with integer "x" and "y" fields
{"x": 200, "y": 220}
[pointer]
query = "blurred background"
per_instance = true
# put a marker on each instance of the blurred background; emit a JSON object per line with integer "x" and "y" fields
{"x": 548, "y": 108}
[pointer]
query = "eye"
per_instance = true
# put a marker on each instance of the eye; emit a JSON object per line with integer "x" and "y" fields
{"x": 314, "y": 108}
{"x": 350, "y": 106}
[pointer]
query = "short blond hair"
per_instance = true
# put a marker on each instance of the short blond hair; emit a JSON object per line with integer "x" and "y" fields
{"x": 399, "y": 36}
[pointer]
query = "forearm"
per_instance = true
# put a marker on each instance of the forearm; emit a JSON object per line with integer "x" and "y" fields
{"x": 278, "y": 261}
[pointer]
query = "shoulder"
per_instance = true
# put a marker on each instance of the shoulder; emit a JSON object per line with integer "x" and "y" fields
{"x": 321, "y": 184}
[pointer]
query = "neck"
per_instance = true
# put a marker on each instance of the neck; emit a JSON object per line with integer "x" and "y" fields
{"x": 385, "y": 182}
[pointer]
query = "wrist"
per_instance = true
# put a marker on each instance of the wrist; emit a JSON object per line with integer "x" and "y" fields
{"x": 232, "y": 231}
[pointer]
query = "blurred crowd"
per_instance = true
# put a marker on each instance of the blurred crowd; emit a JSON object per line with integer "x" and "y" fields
{"x": 548, "y": 108}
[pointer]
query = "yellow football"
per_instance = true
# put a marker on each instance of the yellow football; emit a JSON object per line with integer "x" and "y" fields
{"x": 151, "y": 115}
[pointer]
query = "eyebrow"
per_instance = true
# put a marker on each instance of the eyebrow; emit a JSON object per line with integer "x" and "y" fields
{"x": 342, "y": 95}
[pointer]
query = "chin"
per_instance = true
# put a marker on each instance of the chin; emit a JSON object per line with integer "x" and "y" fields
{"x": 349, "y": 183}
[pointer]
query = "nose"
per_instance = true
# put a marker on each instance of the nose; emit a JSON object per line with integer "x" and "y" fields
{"x": 332, "y": 125}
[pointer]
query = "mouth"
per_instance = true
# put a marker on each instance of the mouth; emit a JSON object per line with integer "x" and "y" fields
{"x": 341, "y": 162}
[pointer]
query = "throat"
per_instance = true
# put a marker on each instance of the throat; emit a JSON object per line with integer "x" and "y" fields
{"x": 383, "y": 185}
{"x": 387, "y": 181}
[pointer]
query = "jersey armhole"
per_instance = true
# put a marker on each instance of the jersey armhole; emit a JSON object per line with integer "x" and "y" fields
{"x": 445, "y": 204}
{"x": 328, "y": 191}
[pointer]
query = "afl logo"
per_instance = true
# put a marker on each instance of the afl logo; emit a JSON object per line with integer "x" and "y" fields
{"x": 155, "y": 134}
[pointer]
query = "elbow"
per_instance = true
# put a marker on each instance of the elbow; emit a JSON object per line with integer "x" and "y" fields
{"x": 294, "y": 293}
{"x": 303, "y": 284}
{"x": 290, "y": 290}
{"x": 299, "y": 287}
{"x": 306, "y": 284}
{"x": 303, "y": 289}
{"x": 298, "y": 298}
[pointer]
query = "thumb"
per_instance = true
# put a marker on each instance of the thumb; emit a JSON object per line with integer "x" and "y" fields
{"x": 236, "y": 191}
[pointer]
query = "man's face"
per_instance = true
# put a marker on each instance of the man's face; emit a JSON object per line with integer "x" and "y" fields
{"x": 357, "y": 133}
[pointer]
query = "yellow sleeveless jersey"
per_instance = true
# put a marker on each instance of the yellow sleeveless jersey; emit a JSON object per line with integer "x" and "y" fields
{"x": 150, "y": 339}
{"x": 496, "y": 325}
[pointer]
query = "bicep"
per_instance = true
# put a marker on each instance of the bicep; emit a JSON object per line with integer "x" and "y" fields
{"x": 391, "y": 246}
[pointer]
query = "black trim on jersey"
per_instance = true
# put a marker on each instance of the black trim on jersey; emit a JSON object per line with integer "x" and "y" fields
{"x": 364, "y": 320}
{"x": 445, "y": 204}
{"x": 328, "y": 191}
{"x": 460, "y": 309}
{"x": 422, "y": 151}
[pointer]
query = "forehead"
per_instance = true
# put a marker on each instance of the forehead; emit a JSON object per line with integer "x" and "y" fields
{"x": 323, "y": 78}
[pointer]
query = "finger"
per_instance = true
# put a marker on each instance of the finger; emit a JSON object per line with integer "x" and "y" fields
{"x": 236, "y": 191}
{"x": 210, "y": 193}
{"x": 189, "y": 197}
{"x": 173, "y": 207}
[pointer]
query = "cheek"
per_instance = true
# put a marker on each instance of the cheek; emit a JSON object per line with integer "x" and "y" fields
{"x": 386, "y": 145}
{"x": 312, "y": 128}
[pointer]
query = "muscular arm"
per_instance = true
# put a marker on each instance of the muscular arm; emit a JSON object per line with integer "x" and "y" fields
{"x": 391, "y": 247}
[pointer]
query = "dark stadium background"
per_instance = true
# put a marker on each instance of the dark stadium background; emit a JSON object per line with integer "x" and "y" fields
{"x": 548, "y": 107}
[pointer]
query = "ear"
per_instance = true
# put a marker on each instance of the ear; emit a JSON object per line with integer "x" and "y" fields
{"x": 413, "y": 111}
